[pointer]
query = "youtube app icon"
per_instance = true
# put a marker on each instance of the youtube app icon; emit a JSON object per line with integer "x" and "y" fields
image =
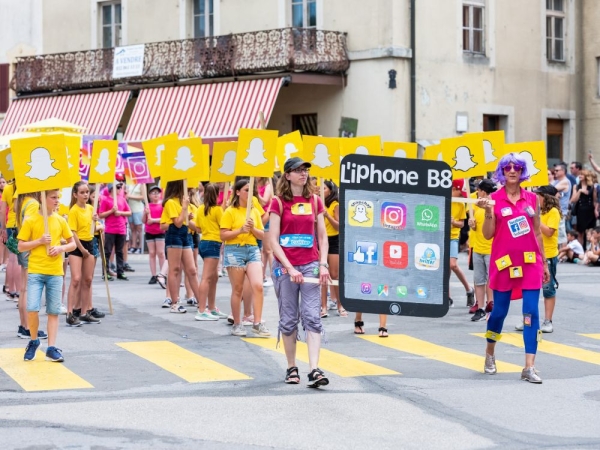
{"x": 395, "y": 254}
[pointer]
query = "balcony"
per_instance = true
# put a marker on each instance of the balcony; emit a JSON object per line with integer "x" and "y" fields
{"x": 259, "y": 52}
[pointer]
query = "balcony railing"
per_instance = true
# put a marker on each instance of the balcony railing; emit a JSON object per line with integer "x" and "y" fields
{"x": 281, "y": 50}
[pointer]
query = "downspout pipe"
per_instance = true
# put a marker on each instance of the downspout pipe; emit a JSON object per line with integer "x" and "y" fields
{"x": 413, "y": 74}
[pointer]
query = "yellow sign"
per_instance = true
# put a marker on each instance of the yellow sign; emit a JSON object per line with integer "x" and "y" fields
{"x": 103, "y": 161}
{"x": 204, "y": 168}
{"x": 400, "y": 149}
{"x": 256, "y": 153}
{"x": 6, "y": 164}
{"x": 464, "y": 155}
{"x": 222, "y": 168}
{"x": 493, "y": 148}
{"x": 288, "y": 146}
{"x": 73, "y": 155}
{"x": 534, "y": 154}
{"x": 433, "y": 153}
{"x": 367, "y": 145}
{"x": 40, "y": 163}
{"x": 324, "y": 155}
{"x": 154, "y": 149}
{"x": 184, "y": 159}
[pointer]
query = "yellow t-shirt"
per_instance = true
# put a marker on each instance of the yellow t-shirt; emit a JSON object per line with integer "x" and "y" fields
{"x": 32, "y": 229}
{"x": 458, "y": 212}
{"x": 235, "y": 218}
{"x": 552, "y": 220}
{"x": 192, "y": 209}
{"x": 210, "y": 225}
{"x": 256, "y": 205}
{"x": 63, "y": 210}
{"x": 8, "y": 197}
{"x": 33, "y": 206}
{"x": 480, "y": 244}
{"x": 80, "y": 221}
{"x": 171, "y": 211}
{"x": 328, "y": 227}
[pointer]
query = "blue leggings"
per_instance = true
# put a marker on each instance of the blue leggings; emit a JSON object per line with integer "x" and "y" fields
{"x": 530, "y": 308}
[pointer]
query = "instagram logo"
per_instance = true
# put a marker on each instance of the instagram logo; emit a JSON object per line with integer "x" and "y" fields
{"x": 365, "y": 288}
{"x": 137, "y": 166}
{"x": 393, "y": 215}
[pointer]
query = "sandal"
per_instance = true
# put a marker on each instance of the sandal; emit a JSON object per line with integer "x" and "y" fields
{"x": 317, "y": 379}
{"x": 161, "y": 280}
{"x": 383, "y": 333}
{"x": 360, "y": 324}
{"x": 342, "y": 313}
{"x": 324, "y": 313}
{"x": 290, "y": 378}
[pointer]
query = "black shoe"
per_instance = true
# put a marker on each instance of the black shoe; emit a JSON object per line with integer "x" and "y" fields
{"x": 109, "y": 278}
{"x": 73, "y": 321}
{"x": 127, "y": 268}
{"x": 77, "y": 312}
{"x": 317, "y": 378}
{"x": 122, "y": 277}
{"x": 153, "y": 280}
{"x": 96, "y": 314}
{"x": 479, "y": 316}
{"x": 87, "y": 319}
{"x": 470, "y": 298}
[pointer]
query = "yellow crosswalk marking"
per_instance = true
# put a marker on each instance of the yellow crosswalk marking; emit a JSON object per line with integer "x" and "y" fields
{"x": 593, "y": 336}
{"x": 408, "y": 344}
{"x": 39, "y": 374}
{"x": 336, "y": 363}
{"x": 566, "y": 351}
{"x": 181, "y": 362}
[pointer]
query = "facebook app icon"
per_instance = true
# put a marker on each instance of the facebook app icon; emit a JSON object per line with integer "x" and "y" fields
{"x": 366, "y": 253}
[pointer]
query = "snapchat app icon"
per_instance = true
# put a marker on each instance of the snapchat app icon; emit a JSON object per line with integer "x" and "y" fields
{"x": 360, "y": 213}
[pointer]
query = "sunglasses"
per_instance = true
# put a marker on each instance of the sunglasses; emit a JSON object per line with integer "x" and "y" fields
{"x": 515, "y": 167}
{"x": 300, "y": 170}
{"x": 119, "y": 186}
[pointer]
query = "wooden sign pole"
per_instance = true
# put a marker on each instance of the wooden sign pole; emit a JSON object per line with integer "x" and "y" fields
{"x": 110, "y": 308}
{"x": 225, "y": 195}
{"x": 45, "y": 215}
{"x": 96, "y": 200}
{"x": 469, "y": 201}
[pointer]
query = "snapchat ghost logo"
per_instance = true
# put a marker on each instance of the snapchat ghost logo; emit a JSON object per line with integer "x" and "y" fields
{"x": 184, "y": 159}
{"x": 321, "y": 156}
{"x": 159, "y": 151}
{"x": 440, "y": 157}
{"x": 103, "y": 160}
{"x": 528, "y": 158}
{"x": 399, "y": 153}
{"x": 228, "y": 163}
{"x": 256, "y": 152}
{"x": 9, "y": 162}
{"x": 361, "y": 150}
{"x": 464, "y": 159}
{"x": 488, "y": 152}
{"x": 360, "y": 214}
{"x": 41, "y": 165}
{"x": 289, "y": 149}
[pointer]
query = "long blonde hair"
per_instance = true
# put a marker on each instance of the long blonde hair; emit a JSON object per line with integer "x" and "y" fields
{"x": 587, "y": 176}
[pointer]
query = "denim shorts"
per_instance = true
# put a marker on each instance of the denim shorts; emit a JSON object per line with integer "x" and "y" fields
{"x": 267, "y": 226}
{"x": 210, "y": 249}
{"x": 95, "y": 247}
{"x": 241, "y": 255}
{"x": 195, "y": 241}
{"x": 454, "y": 248}
{"x": 549, "y": 289}
{"x": 136, "y": 218}
{"x": 23, "y": 259}
{"x": 35, "y": 285}
{"x": 178, "y": 237}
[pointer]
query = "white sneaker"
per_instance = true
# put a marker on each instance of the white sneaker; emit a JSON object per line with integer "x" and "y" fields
{"x": 205, "y": 317}
{"x": 167, "y": 303}
{"x": 238, "y": 330}
{"x": 217, "y": 313}
{"x": 261, "y": 330}
{"x": 547, "y": 327}
{"x": 519, "y": 326}
{"x": 331, "y": 305}
{"x": 267, "y": 283}
{"x": 3, "y": 267}
{"x": 178, "y": 309}
{"x": 63, "y": 309}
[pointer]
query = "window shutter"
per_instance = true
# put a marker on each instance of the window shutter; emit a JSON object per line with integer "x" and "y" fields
{"x": 4, "y": 87}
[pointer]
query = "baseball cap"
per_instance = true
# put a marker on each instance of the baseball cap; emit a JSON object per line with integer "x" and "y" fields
{"x": 460, "y": 184}
{"x": 548, "y": 189}
{"x": 294, "y": 163}
{"x": 120, "y": 177}
{"x": 155, "y": 188}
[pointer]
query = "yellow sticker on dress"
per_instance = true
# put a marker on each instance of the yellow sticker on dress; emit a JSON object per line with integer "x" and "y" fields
{"x": 503, "y": 262}
{"x": 302, "y": 209}
{"x": 529, "y": 257}
{"x": 516, "y": 272}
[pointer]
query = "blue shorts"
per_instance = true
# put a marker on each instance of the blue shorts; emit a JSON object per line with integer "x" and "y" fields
{"x": 454, "y": 248}
{"x": 210, "y": 249}
{"x": 136, "y": 218}
{"x": 241, "y": 255}
{"x": 178, "y": 237}
{"x": 267, "y": 226}
{"x": 549, "y": 289}
{"x": 195, "y": 241}
{"x": 23, "y": 259}
{"x": 35, "y": 285}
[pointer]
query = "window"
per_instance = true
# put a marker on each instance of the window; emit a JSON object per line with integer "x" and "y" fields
{"x": 555, "y": 34}
{"x": 305, "y": 123}
{"x": 473, "y": 28}
{"x": 304, "y": 13}
{"x": 554, "y": 133}
{"x": 4, "y": 87}
{"x": 491, "y": 122}
{"x": 111, "y": 24}
{"x": 203, "y": 18}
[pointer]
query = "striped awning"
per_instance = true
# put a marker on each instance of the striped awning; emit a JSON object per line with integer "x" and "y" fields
{"x": 214, "y": 111}
{"x": 98, "y": 113}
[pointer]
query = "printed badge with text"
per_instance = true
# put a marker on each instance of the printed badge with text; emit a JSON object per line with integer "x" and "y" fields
{"x": 519, "y": 226}
{"x": 360, "y": 213}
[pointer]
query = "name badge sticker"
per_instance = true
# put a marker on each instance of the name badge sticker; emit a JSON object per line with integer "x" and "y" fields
{"x": 506, "y": 211}
{"x": 529, "y": 257}
{"x": 516, "y": 272}
{"x": 296, "y": 240}
{"x": 503, "y": 262}
{"x": 519, "y": 226}
{"x": 530, "y": 211}
{"x": 301, "y": 209}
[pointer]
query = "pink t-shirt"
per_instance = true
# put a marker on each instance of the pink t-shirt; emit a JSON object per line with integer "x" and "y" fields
{"x": 261, "y": 192}
{"x": 516, "y": 261}
{"x": 297, "y": 233}
{"x": 112, "y": 223}
{"x": 156, "y": 210}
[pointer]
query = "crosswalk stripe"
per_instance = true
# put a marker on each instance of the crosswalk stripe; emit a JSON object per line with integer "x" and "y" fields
{"x": 336, "y": 363}
{"x": 593, "y": 336}
{"x": 181, "y": 362}
{"x": 414, "y": 346}
{"x": 39, "y": 374}
{"x": 566, "y": 351}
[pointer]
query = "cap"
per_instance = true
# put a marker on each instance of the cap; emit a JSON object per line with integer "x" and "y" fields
{"x": 487, "y": 186}
{"x": 294, "y": 163}
{"x": 460, "y": 184}
{"x": 548, "y": 189}
{"x": 155, "y": 188}
{"x": 109, "y": 186}
{"x": 120, "y": 177}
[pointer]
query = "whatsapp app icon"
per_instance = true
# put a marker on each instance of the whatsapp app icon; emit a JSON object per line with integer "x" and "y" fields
{"x": 427, "y": 218}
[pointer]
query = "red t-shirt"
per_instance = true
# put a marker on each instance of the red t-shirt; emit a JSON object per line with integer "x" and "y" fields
{"x": 297, "y": 232}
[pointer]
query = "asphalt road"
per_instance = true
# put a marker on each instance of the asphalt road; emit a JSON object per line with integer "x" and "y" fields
{"x": 145, "y": 378}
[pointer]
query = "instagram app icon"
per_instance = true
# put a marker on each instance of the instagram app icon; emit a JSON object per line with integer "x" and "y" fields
{"x": 393, "y": 215}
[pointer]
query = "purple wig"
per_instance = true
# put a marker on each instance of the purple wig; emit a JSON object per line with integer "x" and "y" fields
{"x": 506, "y": 160}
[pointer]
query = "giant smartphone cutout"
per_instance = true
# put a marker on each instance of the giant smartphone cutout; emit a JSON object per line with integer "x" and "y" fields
{"x": 394, "y": 235}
